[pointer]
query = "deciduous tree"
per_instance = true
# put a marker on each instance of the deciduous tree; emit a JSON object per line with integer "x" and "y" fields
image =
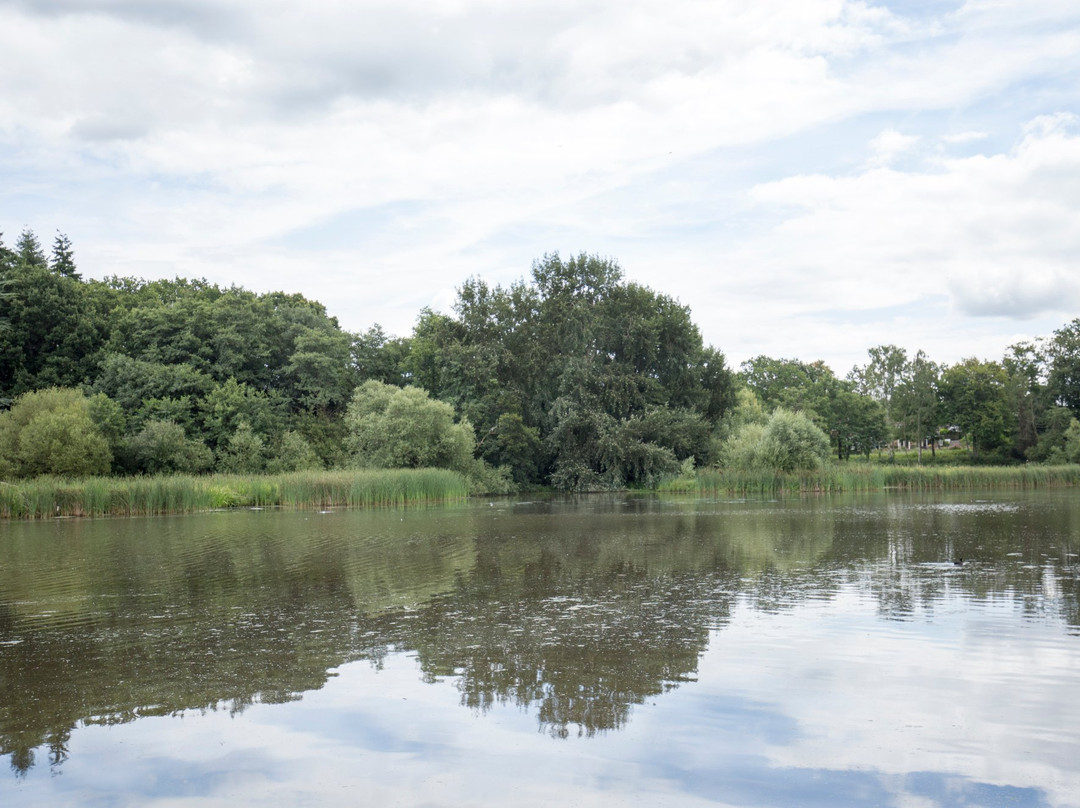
{"x": 975, "y": 394}
{"x": 394, "y": 427}
{"x": 51, "y": 431}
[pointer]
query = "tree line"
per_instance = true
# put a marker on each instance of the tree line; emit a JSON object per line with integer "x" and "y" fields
{"x": 573, "y": 378}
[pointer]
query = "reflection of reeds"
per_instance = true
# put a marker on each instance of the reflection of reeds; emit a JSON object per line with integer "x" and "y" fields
{"x": 127, "y": 496}
{"x": 866, "y": 477}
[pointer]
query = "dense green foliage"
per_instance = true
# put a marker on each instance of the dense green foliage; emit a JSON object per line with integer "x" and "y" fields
{"x": 51, "y": 431}
{"x": 575, "y": 378}
{"x": 1010, "y": 411}
{"x": 572, "y": 378}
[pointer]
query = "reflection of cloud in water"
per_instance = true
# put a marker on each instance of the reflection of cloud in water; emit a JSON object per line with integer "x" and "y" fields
{"x": 935, "y": 711}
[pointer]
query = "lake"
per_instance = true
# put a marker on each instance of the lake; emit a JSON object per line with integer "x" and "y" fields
{"x": 593, "y": 651}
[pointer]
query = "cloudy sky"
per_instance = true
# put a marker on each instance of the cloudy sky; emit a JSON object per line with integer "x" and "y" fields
{"x": 811, "y": 177}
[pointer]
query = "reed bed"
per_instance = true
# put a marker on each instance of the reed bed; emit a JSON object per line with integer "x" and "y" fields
{"x": 869, "y": 477}
{"x": 135, "y": 496}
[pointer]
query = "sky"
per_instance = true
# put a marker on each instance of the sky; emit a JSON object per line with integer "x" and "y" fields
{"x": 811, "y": 177}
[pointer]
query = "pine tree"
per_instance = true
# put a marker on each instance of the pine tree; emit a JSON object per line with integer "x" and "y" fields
{"x": 28, "y": 250}
{"x": 63, "y": 258}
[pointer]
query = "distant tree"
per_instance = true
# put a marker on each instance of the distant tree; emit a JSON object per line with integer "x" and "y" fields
{"x": 1069, "y": 451}
{"x": 63, "y": 257}
{"x": 879, "y": 379}
{"x": 976, "y": 398}
{"x": 292, "y": 452}
{"x": 517, "y": 447}
{"x": 149, "y": 391}
{"x": 917, "y": 401}
{"x": 1063, "y": 357}
{"x": 7, "y": 257}
{"x": 378, "y": 356}
{"x": 55, "y": 334}
{"x": 586, "y": 361}
{"x": 793, "y": 442}
{"x": 243, "y": 453}
{"x": 226, "y": 406}
{"x": 28, "y": 250}
{"x": 788, "y": 383}
{"x": 1053, "y": 424}
{"x": 7, "y": 261}
{"x": 743, "y": 450}
{"x": 857, "y": 422}
{"x": 110, "y": 420}
{"x": 1025, "y": 367}
{"x": 317, "y": 372}
{"x": 747, "y": 410}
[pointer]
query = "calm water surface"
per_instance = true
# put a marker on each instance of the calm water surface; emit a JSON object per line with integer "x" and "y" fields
{"x": 595, "y": 651}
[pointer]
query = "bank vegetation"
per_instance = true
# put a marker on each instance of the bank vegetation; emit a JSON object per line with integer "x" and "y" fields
{"x": 50, "y": 496}
{"x": 572, "y": 379}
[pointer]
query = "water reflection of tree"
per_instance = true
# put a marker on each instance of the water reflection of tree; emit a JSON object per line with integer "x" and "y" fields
{"x": 911, "y": 559}
{"x": 576, "y": 614}
{"x": 578, "y": 643}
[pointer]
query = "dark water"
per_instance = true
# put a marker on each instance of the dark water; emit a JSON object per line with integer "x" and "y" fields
{"x": 596, "y": 651}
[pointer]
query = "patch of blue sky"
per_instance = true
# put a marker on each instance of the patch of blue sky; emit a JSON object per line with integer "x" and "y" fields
{"x": 919, "y": 9}
{"x": 930, "y": 304}
{"x": 385, "y": 225}
{"x": 93, "y": 783}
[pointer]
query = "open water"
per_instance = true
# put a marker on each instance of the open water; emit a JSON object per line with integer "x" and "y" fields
{"x": 590, "y": 651}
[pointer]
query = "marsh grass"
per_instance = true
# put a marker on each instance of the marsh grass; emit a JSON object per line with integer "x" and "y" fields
{"x": 873, "y": 477}
{"x": 45, "y": 497}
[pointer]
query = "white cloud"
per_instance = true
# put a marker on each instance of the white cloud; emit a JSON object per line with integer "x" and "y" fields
{"x": 375, "y": 154}
{"x": 999, "y": 234}
{"x": 889, "y": 145}
{"x": 965, "y": 137}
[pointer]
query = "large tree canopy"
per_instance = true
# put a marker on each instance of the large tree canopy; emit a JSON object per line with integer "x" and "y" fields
{"x": 577, "y": 377}
{"x": 975, "y": 395}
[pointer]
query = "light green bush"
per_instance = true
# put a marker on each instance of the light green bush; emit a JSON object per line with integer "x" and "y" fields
{"x": 391, "y": 427}
{"x": 51, "y": 431}
{"x": 788, "y": 441}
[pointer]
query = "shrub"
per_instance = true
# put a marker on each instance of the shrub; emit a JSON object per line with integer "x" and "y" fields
{"x": 245, "y": 452}
{"x": 293, "y": 453}
{"x": 391, "y": 427}
{"x": 52, "y": 432}
{"x": 792, "y": 442}
{"x": 163, "y": 447}
{"x": 788, "y": 441}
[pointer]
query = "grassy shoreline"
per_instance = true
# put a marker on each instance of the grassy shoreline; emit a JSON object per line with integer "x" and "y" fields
{"x": 874, "y": 477}
{"x": 46, "y": 497}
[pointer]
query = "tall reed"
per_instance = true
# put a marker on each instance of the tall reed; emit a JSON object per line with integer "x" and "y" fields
{"x": 128, "y": 496}
{"x": 871, "y": 477}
